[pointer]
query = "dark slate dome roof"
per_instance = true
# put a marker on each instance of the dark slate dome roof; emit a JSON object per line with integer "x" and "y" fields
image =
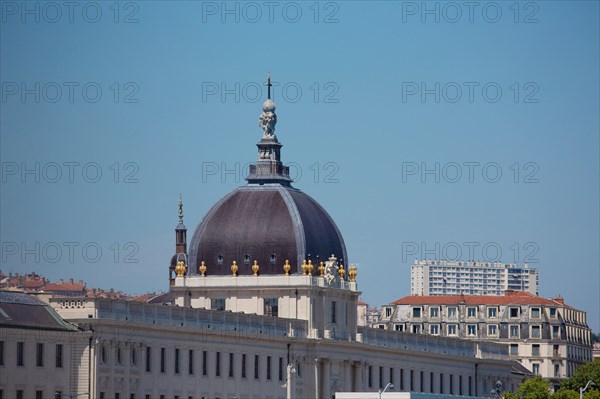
{"x": 269, "y": 223}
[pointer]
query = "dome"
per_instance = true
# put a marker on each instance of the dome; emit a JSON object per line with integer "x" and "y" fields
{"x": 269, "y": 223}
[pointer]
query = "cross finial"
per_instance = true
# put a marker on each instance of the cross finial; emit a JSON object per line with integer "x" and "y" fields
{"x": 268, "y": 84}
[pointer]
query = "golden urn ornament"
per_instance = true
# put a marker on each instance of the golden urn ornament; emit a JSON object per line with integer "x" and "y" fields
{"x": 341, "y": 271}
{"x": 202, "y": 269}
{"x": 322, "y": 269}
{"x": 234, "y": 268}
{"x": 287, "y": 267}
{"x": 352, "y": 273}
{"x": 304, "y": 267}
{"x": 255, "y": 268}
{"x": 309, "y": 268}
{"x": 180, "y": 268}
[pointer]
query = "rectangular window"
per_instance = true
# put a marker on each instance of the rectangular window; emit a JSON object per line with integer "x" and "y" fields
{"x": 535, "y": 368}
{"x": 19, "y": 394}
{"x": 555, "y": 350}
{"x": 556, "y": 370}
{"x": 412, "y": 380}
{"x": 243, "y": 365}
{"x": 388, "y": 312}
{"x": 117, "y": 395}
{"x": 401, "y": 379}
{"x": 218, "y": 364}
{"x": 58, "y": 395}
{"x": 231, "y": 363}
{"x": 535, "y": 350}
{"x": 380, "y": 377}
{"x": 131, "y": 396}
{"x": 471, "y": 312}
{"x": 416, "y": 312}
{"x": 271, "y": 307}
{"x": 370, "y": 377}
{"x": 451, "y": 380}
{"x": 163, "y": 355}
{"x": 514, "y": 331}
{"x": 514, "y": 312}
{"x": 434, "y": 329}
{"x": 268, "y": 367}
{"x": 452, "y": 331}
{"x": 280, "y": 369}
{"x": 492, "y": 312}
{"x": 148, "y": 359}
{"x": 176, "y": 360}
{"x": 422, "y": 381}
{"x": 20, "y": 350}
{"x": 431, "y": 382}
{"x": 39, "y": 394}
{"x": 59, "y": 355}
{"x": 39, "y": 355}
{"x": 471, "y": 330}
{"x": 514, "y": 349}
{"x": 416, "y": 328}
{"x": 434, "y": 312}
{"x": 536, "y": 332}
{"x": 535, "y": 313}
{"x": 399, "y": 327}
{"x": 204, "y": 363}
{"x": 191, "y": 361}
{"x": 441, "y": 382}
{"x": 452, "y": 311}
{"x": 217, "y": 304}
{"x": 470, "y": 386}
{"x": 460, "y": 386}
{"x": 555, "y": 331}
{"x": 492, "y": 330}
{"x": 553, "y": 313}
{"x": 1, "y": 353}
{"x": 256, "y": 375}
{"x": 333, "y": 309}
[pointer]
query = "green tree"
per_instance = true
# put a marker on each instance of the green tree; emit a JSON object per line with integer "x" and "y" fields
{"x": 531, "y": 388}
{"x": 509, "y": 395}
{"x": 589, "y": 371}
{"x": 565, "y": 394}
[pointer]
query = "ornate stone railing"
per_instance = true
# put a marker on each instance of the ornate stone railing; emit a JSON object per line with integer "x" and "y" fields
{"x": 206, "y": 320}
{"x": 431, "y": 343}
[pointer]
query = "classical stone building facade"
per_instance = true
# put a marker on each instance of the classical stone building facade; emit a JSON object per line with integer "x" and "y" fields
{"x": 547, "y": 336}
{"x": 41, "y": 355}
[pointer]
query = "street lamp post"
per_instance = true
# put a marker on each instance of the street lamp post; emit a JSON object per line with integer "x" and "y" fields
{"x": 389, "y": 385}
{"x": 582, "y": 390}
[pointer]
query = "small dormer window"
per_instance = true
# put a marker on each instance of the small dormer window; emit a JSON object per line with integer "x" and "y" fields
{"x": 220, "y": 259}
{"x": 273, "y": 258}
{"x": 247, "y": 258}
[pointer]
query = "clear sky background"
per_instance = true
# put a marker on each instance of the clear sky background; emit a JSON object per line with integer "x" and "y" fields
{"x": 357, "y": 102}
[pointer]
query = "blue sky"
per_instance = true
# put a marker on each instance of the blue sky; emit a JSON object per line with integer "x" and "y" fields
{"x": 117, "y": 108}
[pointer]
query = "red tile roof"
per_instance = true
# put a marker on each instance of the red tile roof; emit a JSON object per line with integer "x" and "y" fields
{"x": 64, "y": 287}
{"x": 509, "y": 298}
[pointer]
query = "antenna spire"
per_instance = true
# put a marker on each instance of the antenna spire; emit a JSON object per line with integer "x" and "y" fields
{"x": 180, "y": 210}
